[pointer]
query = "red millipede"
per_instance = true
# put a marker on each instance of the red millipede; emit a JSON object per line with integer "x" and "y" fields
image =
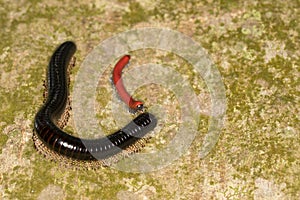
{"x": 134, "y": 105}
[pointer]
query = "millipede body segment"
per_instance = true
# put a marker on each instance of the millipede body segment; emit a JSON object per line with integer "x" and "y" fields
{"x": 52, "y": 137}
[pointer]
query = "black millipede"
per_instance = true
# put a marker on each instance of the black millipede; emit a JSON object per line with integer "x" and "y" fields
{"x": 50, "y": 136}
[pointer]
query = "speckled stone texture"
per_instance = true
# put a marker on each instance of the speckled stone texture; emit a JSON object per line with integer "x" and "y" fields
{"x": 255, "y": 46}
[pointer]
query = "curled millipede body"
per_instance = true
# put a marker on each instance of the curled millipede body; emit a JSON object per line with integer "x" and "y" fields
{"x": 134, "y": 105}
{"x": 48, "y": 135}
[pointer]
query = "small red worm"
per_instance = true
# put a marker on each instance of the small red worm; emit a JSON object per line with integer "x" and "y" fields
{"x": 117, "y": 79}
